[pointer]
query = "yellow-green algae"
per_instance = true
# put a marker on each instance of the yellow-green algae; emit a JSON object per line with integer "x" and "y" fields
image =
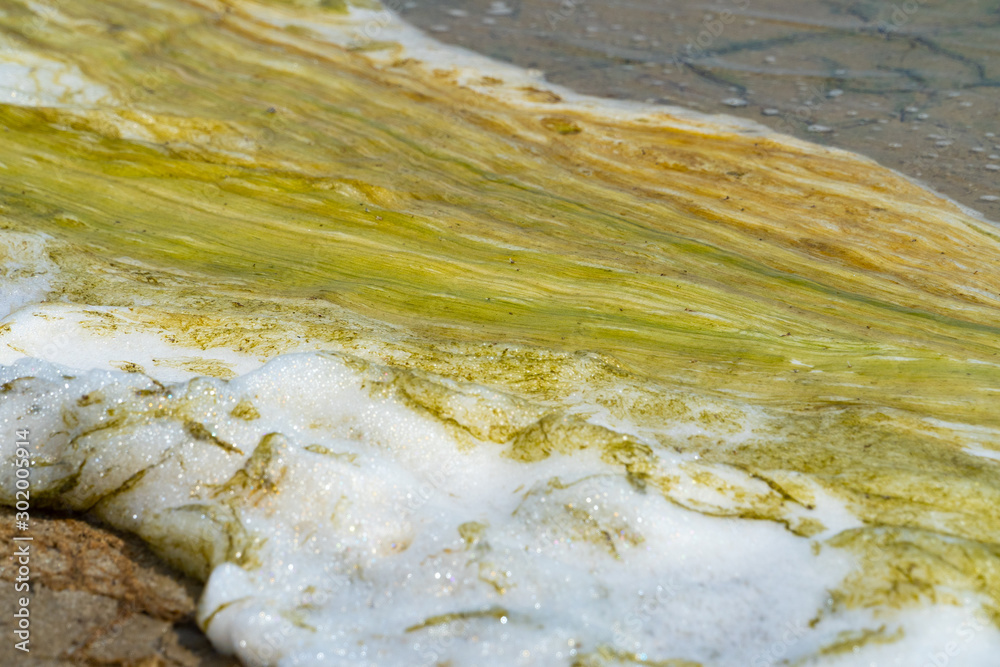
{"x": 610, "y": 657}
{"x": 444, "y": 619}
{"x": 717, "y": 244}
{"x": 264, "y": 188}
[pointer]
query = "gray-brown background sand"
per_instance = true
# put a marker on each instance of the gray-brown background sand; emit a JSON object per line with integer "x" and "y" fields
{"x": 914, "y": 84}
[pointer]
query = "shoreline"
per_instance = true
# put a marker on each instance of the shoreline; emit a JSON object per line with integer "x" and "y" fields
{"x": 811, "y": 72}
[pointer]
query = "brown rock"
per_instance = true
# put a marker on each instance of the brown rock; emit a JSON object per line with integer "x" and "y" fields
{"x": 99, "y": 598}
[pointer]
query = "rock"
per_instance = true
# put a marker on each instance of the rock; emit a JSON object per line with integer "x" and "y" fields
{"x": 99, "y": 597}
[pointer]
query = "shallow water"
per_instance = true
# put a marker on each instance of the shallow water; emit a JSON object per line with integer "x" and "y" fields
{"x": 415, "y": 357}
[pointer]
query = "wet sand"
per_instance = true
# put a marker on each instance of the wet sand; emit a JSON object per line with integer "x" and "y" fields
{"x": 914, "y": 85}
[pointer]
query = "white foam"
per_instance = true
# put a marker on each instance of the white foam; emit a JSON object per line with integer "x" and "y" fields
{"x": 80, "y": 337}
{"x": 25, "y": 270}
{"x": 935, "y": 636}
{"x": 371, "y": 534}
{"x": 982, "y": 452}
{"x": 30, "y": 79}
{"x": 370, "y": 519}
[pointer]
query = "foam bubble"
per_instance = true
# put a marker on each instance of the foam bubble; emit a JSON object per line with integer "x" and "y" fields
{"x": 25, "y": 270}
{"x": 30, "y": 79}
{"x": 336, "y": 519}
